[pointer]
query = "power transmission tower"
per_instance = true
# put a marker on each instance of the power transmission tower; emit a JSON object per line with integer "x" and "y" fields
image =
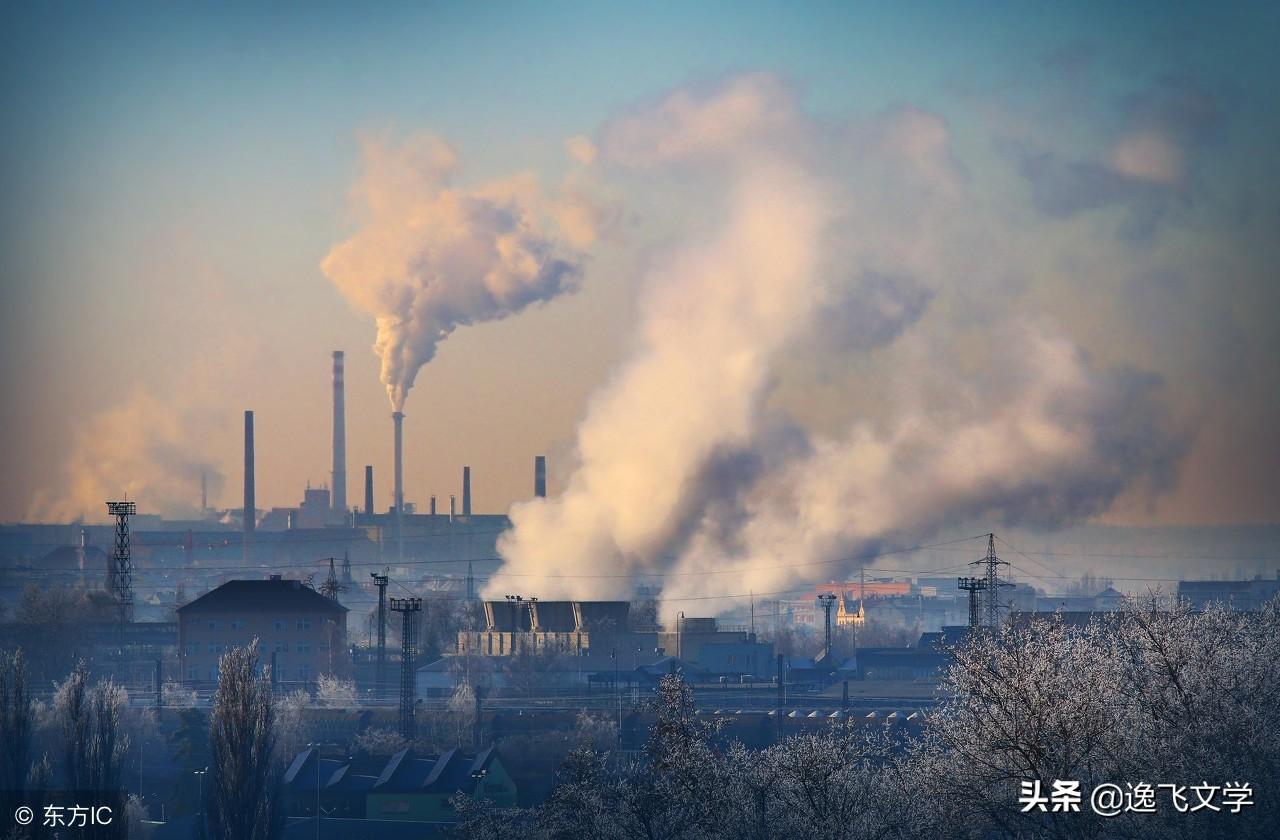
{"x": 331, "y": 587}
{"x": 993, "y": 564}
{"x": 828, "y": 600}
{"x": 120, "y": 575}
{"x": 408, "y": 608}
{"x": 973, "y": 586}
{"x": 380, "y": 679}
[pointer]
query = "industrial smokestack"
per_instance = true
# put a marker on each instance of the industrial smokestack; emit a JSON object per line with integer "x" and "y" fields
{"x": 339, "y": 436}
{"x": 250, "y": 504}
{"x": 368, "y": 489}
{"x": 398, "y": 418}
{"x": 398, "y": 464}
{"x": 433, "y": 505}
{"x": 540, "y": 476}
{"x": 466, "y": 491}
{"x": 453, "y": 505}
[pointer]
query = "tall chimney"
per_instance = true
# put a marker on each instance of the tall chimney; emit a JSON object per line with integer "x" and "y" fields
{"x": 398, "y": 418}
{"x": 250, "y": 504}
{"x": 339, "y": 436}
{"x": 540, "y": 476}
{"x": 466, "y": 491}
{"x": 368, "y": 489}
{"x": 433, "y": 505}
{"x": 453, "y": 507}
{"x": 398, "y": 464}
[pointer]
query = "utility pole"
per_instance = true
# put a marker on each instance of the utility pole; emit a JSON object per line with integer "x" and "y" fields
{"x": 331, "y": 587}
{"x": 120, "y": 578}
{"x": 408, "y": 608}
{"x": 828, "y": 600}
{"x": 380, "y": 675}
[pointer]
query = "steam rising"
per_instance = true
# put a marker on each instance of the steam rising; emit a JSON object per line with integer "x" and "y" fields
{"x": 844, "y": 234}
{"x": 142, "y": 449}
{"x": 433, "y": 256}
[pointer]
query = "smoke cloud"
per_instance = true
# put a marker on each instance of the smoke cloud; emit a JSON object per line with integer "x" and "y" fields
{"x": 143, "y": 449}
{"x": 433, "y": 256}
{"x": 843, "y": 233}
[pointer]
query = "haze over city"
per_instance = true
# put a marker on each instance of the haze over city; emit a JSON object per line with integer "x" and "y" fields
{"x": 686, "y": 420}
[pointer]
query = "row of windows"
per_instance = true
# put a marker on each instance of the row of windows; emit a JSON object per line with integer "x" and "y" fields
{"x": 278, "y": 624}
{"x": 301, "y": 673}
{"x": 194, "y": 648}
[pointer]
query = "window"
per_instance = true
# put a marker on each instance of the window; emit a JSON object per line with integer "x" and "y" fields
{"x": 304, "y": 624}
{"x": 302, "y": 647}
{"x": 213, "y": 672}
{"x": 213, "y": 624}
{"x": 282, "y": 647}
{"x": 213, "y": 648}
{"x": 193, "y": 673}
{"x": 280, "y": 624}
{"x": 393, "y": 806}
{"x": 237, "y": 624}
{"x": 193, "y": 647}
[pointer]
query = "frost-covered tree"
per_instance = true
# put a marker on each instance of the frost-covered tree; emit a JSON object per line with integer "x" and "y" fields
{"x": 291, "y": 729}
{"x": 1144, "y": 695}
{"x": 16, "y": 721}
{"x": 335, "y": 692}
{"x": 244, "y": 801}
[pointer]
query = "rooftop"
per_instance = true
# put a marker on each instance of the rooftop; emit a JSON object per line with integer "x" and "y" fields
{"x": 271, "y": 595}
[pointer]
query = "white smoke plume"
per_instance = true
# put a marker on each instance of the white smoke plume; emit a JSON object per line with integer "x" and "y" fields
{"x": 433, "y": 256}
{"x": 144, "y": 449}
{"x": 684, "y": 466}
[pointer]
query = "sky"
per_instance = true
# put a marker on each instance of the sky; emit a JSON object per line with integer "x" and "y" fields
{"x": 202, "y": 202}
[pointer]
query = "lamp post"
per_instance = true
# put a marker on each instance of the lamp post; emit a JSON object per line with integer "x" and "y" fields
{"x": 200, "y": 801}
{"x": 316, "y": 747}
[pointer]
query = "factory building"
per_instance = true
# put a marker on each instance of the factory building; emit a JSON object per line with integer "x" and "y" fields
{"x": 567, "y": 627}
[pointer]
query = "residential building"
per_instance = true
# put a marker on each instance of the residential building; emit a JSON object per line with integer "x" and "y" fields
{"x": 300, "y": 632}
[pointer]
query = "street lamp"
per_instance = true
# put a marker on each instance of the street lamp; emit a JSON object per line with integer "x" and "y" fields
{"x": 200, "y": 802}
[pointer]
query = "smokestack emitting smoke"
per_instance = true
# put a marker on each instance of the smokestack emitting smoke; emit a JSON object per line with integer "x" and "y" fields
{"x": 466, "y": 491}
{"x": 368, "y": 488}
{"x": 726, "y": 481}
{"x": 540, "y": 476}
{"x": 339, "y": 436}
{"x": 432, "y": 257}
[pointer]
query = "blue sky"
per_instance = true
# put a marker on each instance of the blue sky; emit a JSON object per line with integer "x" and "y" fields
{"x": 174, "y": 174}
